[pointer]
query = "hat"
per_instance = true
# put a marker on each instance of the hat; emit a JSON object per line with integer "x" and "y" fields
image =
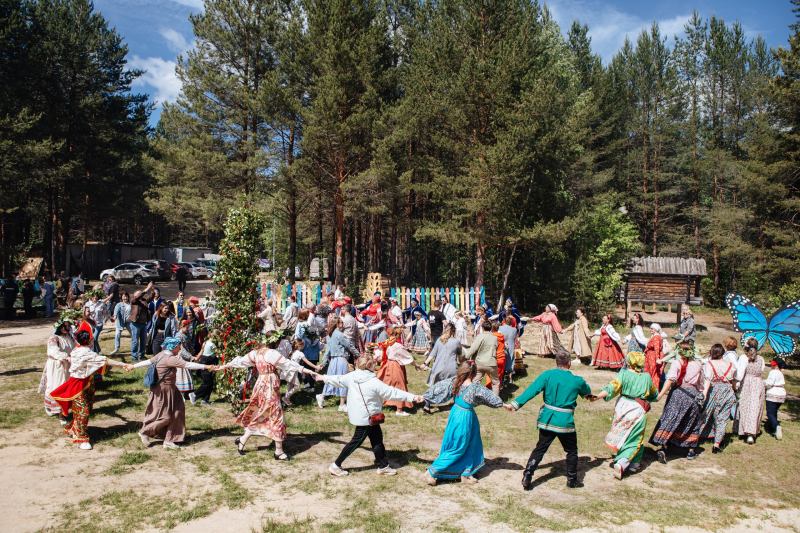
{"x": 779, "y": 363}
{"x": 170, "y": 343}
{"x": 635, "y": 361}
{"x": 193, "y": 300}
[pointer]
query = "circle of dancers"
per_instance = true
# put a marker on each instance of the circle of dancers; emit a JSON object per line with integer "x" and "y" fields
{"x": 701, "y": 392}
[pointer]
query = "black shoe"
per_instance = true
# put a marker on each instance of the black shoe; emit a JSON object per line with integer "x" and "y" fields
{"x": 691, "y": 455}
{"x": 574, "y": 484}
{"x": 527, "y": 476}
{"x": 716, "y": 449}
{"x": 662, "y": 456}
{"x": 239, "y": 446}
{"x": 281, "y": 457}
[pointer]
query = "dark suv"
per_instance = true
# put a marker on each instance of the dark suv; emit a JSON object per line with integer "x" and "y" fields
{"x": 163, "y": 268}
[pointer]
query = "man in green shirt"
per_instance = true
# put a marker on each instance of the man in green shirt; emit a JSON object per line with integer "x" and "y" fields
{"x": 560, "y": 389}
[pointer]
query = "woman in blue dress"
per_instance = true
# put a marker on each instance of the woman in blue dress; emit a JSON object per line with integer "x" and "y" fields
{"x": 461, "y": 454}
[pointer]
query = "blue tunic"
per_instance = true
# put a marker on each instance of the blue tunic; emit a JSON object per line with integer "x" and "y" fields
{"x": 461, "y": 453}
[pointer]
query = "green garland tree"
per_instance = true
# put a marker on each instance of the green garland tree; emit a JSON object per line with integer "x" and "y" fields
{"x": 236, "y": 297}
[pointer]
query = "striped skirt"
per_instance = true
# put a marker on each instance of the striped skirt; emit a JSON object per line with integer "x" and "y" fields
{"x": 183, "y": 380}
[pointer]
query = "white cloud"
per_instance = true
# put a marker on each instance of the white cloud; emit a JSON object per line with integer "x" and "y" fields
{"x": 608, "y": 26}
{"x": 160, "y": 77}
{"x": 191, "y": 3}
{"x": 175, "y": 41}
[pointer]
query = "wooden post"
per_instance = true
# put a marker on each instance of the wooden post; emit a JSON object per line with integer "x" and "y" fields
{"x": 627, "y": 313}
{"x": 669, "y": 308}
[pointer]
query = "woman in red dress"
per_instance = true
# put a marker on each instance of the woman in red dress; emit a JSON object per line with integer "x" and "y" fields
{"x": 655, "y": 347}
{"x": 608, "y": 353}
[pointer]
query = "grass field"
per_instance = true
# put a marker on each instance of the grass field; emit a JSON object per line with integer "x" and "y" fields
{"x": 123, "y": 486}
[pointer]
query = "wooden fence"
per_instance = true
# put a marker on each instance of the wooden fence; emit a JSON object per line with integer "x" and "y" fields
{"x": 463, "y": 299}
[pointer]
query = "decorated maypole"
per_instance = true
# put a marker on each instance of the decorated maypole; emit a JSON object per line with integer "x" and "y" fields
{"x": 236, "y": 297}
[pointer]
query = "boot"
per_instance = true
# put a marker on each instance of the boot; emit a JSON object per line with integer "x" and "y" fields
{"x": 574, "y": 484}
{"x": 527, "y": 476}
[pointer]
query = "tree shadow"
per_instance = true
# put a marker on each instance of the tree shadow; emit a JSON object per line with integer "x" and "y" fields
{"x": 19, "y": 371}
{"x": 559, "y": 469}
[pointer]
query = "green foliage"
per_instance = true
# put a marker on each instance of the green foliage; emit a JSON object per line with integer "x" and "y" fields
{"x": 605, "y": 238}
{"x": 236, "y": 297}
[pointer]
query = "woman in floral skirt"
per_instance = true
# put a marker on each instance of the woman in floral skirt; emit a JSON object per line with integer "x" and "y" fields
{"x": 719, "y": 394}
{"x": 751, "y": 392}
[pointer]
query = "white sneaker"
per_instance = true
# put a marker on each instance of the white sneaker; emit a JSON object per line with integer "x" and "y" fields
{"x": 85, "y": 446}
{"x": 778, "y": 433}
{"x": 750, "y": 440}
{"x": 618, "y": 470}
{"x": 145, "y": 439}
{"x": 114, "y": 351}
{"x": 386, "y": 471}
{"x": 193, "y": 398}
{"x": 336, "y": 471}
{"x": 171, "y": 446}
{"x": 320, "y": 399}
{"x": 402, "y": 413}
{"x": 343, "y": 408}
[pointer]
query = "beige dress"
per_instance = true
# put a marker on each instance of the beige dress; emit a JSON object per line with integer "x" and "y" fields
{"x": 165, "y": 414}
{"x": 56, "y": 370}
{"x": 580, "y": 335}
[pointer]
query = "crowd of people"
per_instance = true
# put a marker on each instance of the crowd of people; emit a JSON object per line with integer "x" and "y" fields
{"x": 364, "y": 351}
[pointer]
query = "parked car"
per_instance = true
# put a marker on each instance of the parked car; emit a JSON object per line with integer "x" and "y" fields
{"x": 210, "y": 264}
{"x": 196, "y": 271}
{"x": 163, "y": 268}
{"x": 137, "y": 273}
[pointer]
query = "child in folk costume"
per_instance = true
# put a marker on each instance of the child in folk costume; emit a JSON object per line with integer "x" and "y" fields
{"x": 500, "y": 354}
{"x": 461, "y": 452}
{"x": 77, "y": 393}
{"x": 636, "y": 390}
{"x": 776, "y": 396}
{"x": 366, "y": 395}
{"x": 751, "y": 392}
{"x": 560, "y": 390}
{"x": 292, "y": 377}
{"x": 56, "y": 370}
{"x": 461, "y": 329}
{"x": 263, "y": 416}
{"x": 371, "y": 316}
{"x": 654, "y": 351}
{"x": 636, "y": 340}
{"x": 720, "y": 398}
{"x": 165, "y": 414}
{"x": 580, "y": 342}
{"x": 682, "y": 417}
{"x": 419, "y": 342}
{"x": 337, "y": 352}
{"x": 549, "y": 342}
{"x": 608, "y": 354}
{"x": 393, "y": 369}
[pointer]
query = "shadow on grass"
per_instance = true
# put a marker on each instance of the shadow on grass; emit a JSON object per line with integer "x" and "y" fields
{"x": 559, "y": 469}
{"x": 19, "y": 371}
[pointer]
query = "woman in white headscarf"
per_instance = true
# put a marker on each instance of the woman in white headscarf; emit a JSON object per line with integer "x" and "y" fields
{"x": 549, "y": 342}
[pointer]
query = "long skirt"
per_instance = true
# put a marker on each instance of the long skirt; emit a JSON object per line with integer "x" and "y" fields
{"x": 635, "y": 346}
{"x": 461, "y": 453}
{"x": 717, "y": 411}
{"x": 419, "y": 342}
{"x": 549, "y": 342}
{"x": 394, "y": 375}
{"x": 337, "y": 367}
{"x": 608, "y": 356}
{"x": 652, "y": 367}
{"x": 165, "y": 415}
{"x": 751, "y": 406}
{"x": 81, "y": 409}
{"x": 263, "y": 416}
{"x": 627, "y": 430}
{"x": 680, "y": 421}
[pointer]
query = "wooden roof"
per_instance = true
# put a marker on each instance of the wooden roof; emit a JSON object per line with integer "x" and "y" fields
{"x": 666, "y": 266}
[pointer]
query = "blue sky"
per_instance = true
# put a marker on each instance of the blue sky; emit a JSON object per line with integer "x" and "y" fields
{"x": 157, "y": 31}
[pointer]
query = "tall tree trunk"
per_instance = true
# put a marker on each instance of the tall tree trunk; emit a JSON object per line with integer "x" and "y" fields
{"x": 480, "y": 263}
{"x": 505, "y": 278}
{"x": 47, "y": 238}
{"x": 292, "y": 217}
{"x": 339, "y": 230}
{"x": 393, "y": 251}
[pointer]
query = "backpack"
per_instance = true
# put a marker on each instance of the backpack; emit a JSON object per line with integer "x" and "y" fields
{"x": 151, "y": 378}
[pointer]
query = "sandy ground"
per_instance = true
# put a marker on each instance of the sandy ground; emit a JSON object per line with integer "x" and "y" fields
{"x": 36, "y": 332}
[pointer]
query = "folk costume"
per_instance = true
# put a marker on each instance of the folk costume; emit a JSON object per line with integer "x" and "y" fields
{"x": 410, "y": 313}
{"x": 560, "y": 389}
{"x": 751, "y": 396}
{"x": 461, "y": 330}
{"x": 393, "y": 371}
{"x": 337, "y": 351}
{"x": 635, "y": 389}
{"x": 652, "y": 353}
{"x": 372, "y": 315}
{"x": 636, "y": 340}
{"x": 445, "y": 360}
{"x": 165, "y": 414}
{"x": 56, "y": 369}
{"x": 549, "y": 342}
{"x": 77, "y": 393}
{"x": 263, "y": 416}
{"x": 719, "y": 401}
{"x": 461, "y": 452}
{"x": 682, "y": 417}
{"x": 511, "y": 310}
{"x": 419, "y": 341}
{"x": 580, "y": 342}
{"x": 608, "y": 353}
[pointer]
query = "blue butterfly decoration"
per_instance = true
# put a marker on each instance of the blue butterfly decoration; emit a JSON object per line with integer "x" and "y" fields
{"x": 782, "y": 329}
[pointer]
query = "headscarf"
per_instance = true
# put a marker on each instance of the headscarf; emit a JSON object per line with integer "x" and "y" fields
{"x": 194, "y": 301}
{"x": 170, "y": 343}
{"x": 657, "y": 328}
{"x": 553, "y": 308}
{"x": 635, "y": 361}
